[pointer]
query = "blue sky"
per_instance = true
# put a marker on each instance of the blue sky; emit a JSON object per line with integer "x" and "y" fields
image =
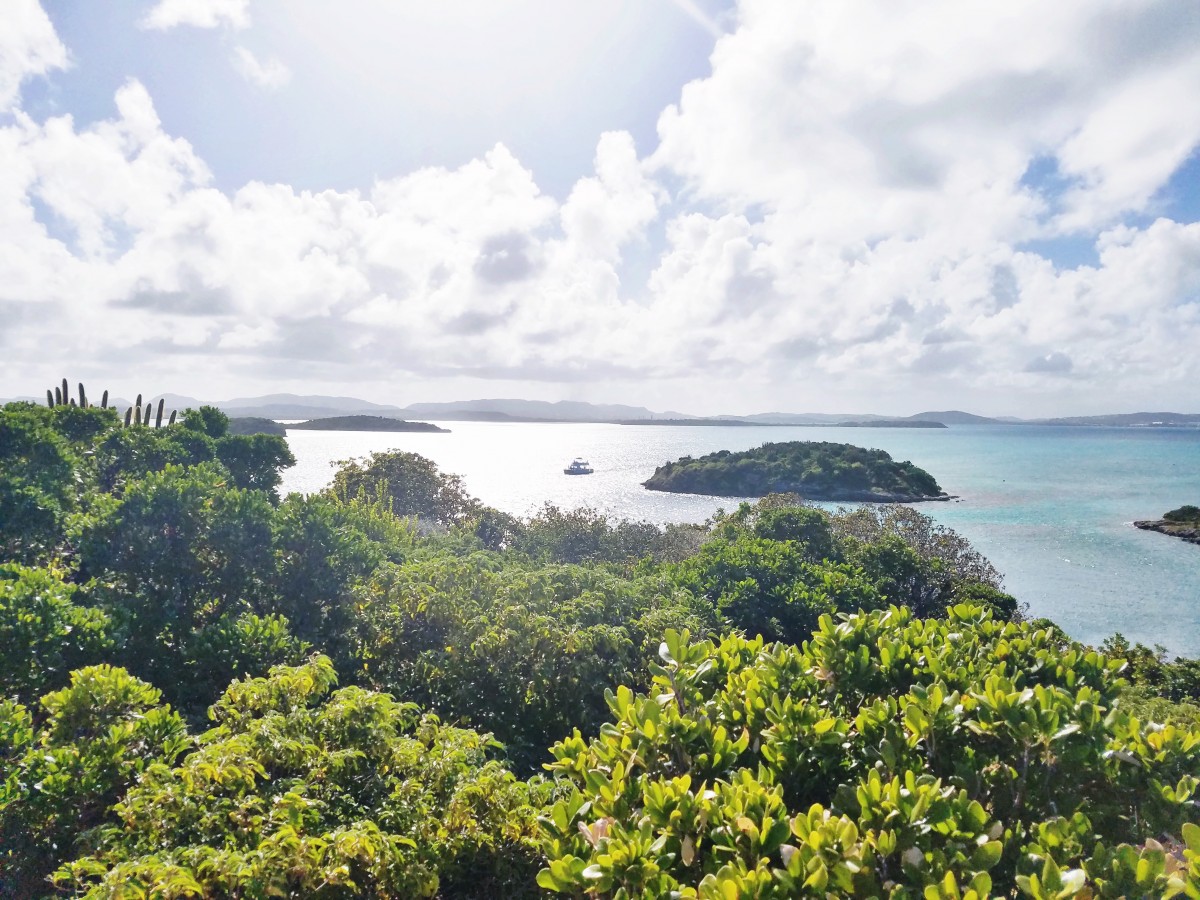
{"x": 398, "y": 92}
{"x": 690, "y": 204}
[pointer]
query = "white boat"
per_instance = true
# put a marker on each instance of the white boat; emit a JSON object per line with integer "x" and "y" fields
{"x": 578, "y": 467}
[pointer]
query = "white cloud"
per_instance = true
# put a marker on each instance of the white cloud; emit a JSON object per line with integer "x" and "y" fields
{"x": 29, "y": 46}
{"x": 269, "y": 74}
{"x": 167, "y": 14}
{"x": 847, "y": 223}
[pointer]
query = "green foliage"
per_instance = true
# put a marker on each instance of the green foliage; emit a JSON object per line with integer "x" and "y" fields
{"x": 770, "y": 587}
{"x": 59, "y": 781}
{"x": 805, "y": 525}
{"x": 43, "y": 632}
{"x": 37, "y": 483}
{"x": 300, "y": 791}
{"x": 525, "y": 653}
{"x": 321, "y": 549}
{"x": 179, "y": 550}
{"x": 891, "y": 757}
{"x": 975, "y": 593}
{"x": 1160, "y": 691}
{"x": 585, "y": 535}
{"x": 936, "y": 545}
{"x": 207, "y": 420}
{"x": 1183, "y": 514}
{"x": 814, "y": 469}
{"x": 412, "y": 483}
{"x": 246, "y": 645}
{"x": 254, "y": 460}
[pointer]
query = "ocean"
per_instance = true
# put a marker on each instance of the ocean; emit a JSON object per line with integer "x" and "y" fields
{"x": 1052, "y": 507}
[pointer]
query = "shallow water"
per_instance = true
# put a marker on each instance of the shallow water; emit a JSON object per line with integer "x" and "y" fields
{"x": 1051, "y": 507}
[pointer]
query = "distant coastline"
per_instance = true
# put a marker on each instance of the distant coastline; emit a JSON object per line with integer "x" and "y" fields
{"x": 312, "y": 407}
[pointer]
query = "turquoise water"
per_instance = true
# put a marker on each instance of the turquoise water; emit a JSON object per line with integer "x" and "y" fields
{"x": 1051, "y": 507}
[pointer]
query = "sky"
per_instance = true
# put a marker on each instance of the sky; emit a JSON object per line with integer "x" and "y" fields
{"x": 714, "y": 206}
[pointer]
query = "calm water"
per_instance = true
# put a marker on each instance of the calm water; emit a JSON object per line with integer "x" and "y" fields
{"x": 1050, "y": 507}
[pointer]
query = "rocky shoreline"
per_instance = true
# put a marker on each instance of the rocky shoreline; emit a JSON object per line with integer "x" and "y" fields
{"x": 808, "y": 492}
{"x": 1185, "y": 531}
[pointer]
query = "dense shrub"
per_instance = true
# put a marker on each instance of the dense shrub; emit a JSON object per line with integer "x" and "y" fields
{"x": 302, "y": 791}
{"x": 44, "y": 634}
{"x": 523, "y": 652}
{"x": 889, "y": 757}
{"x": 58, "y": 780}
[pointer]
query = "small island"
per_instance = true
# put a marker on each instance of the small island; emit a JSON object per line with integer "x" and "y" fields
{"x": 814, "y": 470}
{"x": 365, "y": 423}
{"x": 1183, "y": 523}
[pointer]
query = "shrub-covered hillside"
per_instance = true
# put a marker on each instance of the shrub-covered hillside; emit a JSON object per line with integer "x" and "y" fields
{"x": 816, "y": 470}
{"x": 391, "y": 690}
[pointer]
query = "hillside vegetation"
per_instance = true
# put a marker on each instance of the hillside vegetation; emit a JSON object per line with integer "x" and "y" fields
{"x": 390, "y": 690}
{"x": 816, "y": 470}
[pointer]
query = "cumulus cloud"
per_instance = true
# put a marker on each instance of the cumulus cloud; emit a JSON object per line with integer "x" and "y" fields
{"x": 840, "y": 213}
{"x": 269, "y": 74}
{"x": 167, "y": 14}
{"x": 29, "y": 46}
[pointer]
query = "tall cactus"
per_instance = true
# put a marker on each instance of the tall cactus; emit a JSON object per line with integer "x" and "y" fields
{"x": 137, "y": 414}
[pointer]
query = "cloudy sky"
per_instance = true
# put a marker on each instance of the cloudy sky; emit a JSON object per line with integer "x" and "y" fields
{"x": 706, "y": 205}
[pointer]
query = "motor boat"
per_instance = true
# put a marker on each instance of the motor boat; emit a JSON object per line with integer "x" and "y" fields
{"x": 578, "y": 467}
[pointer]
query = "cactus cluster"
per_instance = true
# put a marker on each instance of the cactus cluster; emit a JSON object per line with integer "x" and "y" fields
{"x": 61, "y": 396}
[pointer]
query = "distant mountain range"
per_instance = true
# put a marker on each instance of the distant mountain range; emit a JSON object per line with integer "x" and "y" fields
{"x": 317, "y": 406}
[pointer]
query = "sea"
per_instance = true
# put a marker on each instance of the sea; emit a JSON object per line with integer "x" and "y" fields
{"x": 1052, "y": 507}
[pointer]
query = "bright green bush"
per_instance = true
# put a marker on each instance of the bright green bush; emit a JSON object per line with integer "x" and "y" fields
{"x": 303, "y": 791}
{"x": 890, "y": 756}
{"x": 59, "y": 779}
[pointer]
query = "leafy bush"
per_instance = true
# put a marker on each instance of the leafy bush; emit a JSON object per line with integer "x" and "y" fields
{"x": 891, "y": 757}
{"x": 302, "y": 791}
{"x": 523, "y": 652}
{"x": 37, "y": 484}
{"x": 58, "y": 781}
{"x": 412, "y": 483}
{"x": 43, "y": 633}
